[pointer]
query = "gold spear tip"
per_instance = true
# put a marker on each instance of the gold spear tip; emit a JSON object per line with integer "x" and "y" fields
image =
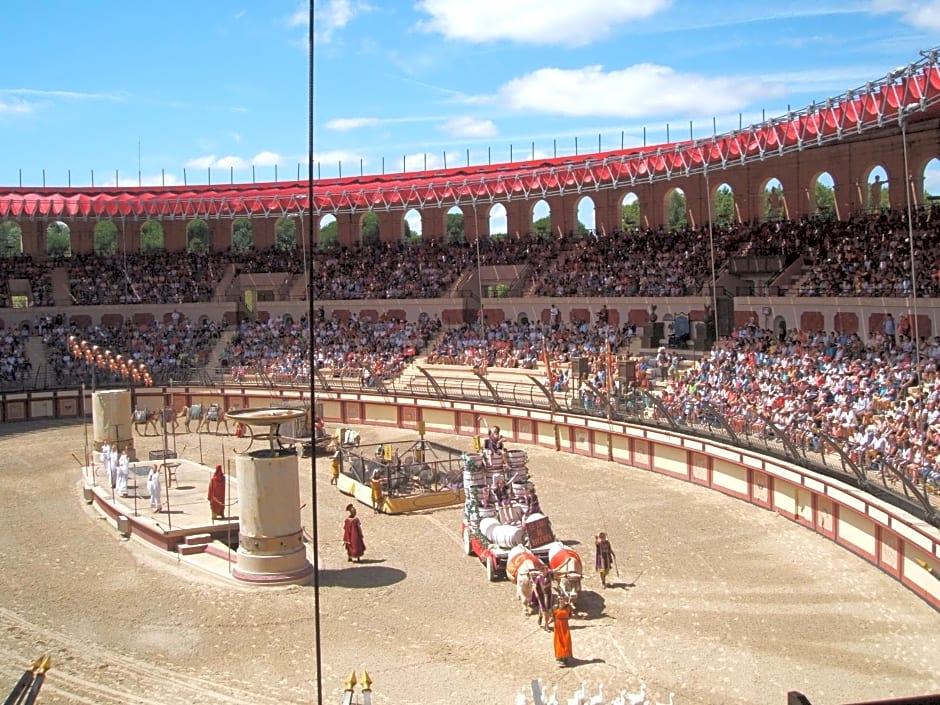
{"x": 45, "y": 664}
{"x": 38, "y": 663}
{"x": 366, "y": 681}
{"x": 351, "y": 681}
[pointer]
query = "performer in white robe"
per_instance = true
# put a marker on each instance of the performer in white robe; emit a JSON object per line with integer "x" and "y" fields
{"x": 106, "y": 462}
{"x": 122, "y": 472}
{"x": 113, "y": 460}
{"x": 153, "y": 487}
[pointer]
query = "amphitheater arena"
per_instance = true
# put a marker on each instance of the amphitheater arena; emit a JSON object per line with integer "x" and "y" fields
{"x": 721, "y": 600}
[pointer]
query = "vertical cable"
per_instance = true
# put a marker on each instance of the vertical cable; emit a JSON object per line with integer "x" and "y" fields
{"x": 308, "y": 266}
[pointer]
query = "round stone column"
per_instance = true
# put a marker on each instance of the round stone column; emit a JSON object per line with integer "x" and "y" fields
{"x": 270, "y": 540}
{"x": 112, "y": 421}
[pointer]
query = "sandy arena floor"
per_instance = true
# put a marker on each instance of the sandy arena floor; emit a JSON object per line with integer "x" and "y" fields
{"x": 717, "y": 601}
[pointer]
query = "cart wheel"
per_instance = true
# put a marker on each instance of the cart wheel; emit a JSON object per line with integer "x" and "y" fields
{"x": 491, "y": 569}
{"x": 467, "y": 548}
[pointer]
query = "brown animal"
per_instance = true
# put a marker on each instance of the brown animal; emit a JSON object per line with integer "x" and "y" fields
{"x": 147, "y": 418}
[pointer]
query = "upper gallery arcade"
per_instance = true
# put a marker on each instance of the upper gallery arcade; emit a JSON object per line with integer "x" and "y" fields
{"x": 869, "y": 146}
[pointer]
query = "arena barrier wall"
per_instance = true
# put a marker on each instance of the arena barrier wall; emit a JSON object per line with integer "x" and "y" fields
{"x": 901, "y": 545}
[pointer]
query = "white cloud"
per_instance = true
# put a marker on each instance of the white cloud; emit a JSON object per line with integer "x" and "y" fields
{"x": 922, "y": 14}
{"x": 636, "y": 91}
{"x": 331, "y": 16}
{"x": 236, "y": 137}
{"x": 210, "y": 161}
{"x": 267, "y": 159}
{"x": 351, "y": 123}
{"x": 204, "y": 162}
{"x": 469, "y": 127}
{"x": 932, "y": 178}
{"x": 414, "y": 221}
{"x": 71, "y": 95}
{"x": 15, "y": 107}
{"x": 533, "y": 21}
{"x": 420, "y": 161}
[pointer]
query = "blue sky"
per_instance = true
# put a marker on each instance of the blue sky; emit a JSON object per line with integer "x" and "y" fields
{"x": 121, "y": 87}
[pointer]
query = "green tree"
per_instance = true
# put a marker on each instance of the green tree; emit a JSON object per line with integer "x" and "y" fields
{"x": 151, "y": 236}
{"x": 455, "y": 228}
{"x": 197, "y": 236}
{"x": 285, "y": 234}
{"x": 774, "y": 205}
{"x": 243, "y": 235}
{"x": 724, "y": 206}
{"x": 329, "y": 234}
{"x": 676, "y": 216}
{"x": 411, "y": 237}
{"x": 825, "y": 200}
{"x": 630, "y": 215}
{"x": 369, "y": 229}
{"x": 542, "y": 227}
{"x": 11, "y": 238}
{"x": 106, "y": 238}
{"x": 58, "y": 240}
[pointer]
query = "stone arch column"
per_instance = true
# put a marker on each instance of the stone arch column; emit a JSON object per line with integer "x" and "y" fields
{"x": 391, "y": 227}
{"x": 220, "y": 234}
{"x": 82, "y": 234}
{"x": 347, "y": 229}
{"x": 263, "y": 230}
{"x": 518, "y": 217}
{"x": 606, "y": 211}
{"x": 564, "y": 214}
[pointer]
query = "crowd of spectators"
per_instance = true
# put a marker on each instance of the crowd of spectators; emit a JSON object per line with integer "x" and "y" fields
{"x": 870, "y": 256}
{"x": 359, "y": 347}
{"x": 170, "y": 350}
{"x": 877, "y": 398}
{"x": 39, "y": 275}
{"x": 14, "y": 363}
{"x": 526, "y": 344}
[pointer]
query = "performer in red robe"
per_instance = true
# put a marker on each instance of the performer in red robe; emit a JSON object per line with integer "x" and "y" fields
{"x": 217, "y": 493}
{"x": 562, "y": 635}
{"x": 352, "y": 535}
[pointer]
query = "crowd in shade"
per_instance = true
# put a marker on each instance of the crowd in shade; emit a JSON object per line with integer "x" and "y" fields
{"x": 14, "y": 362}
{"x": 24, "y": 268}
{"x": 660, "y": 262}
{"x": 358, "y": 347}
{"x": 170, "y": 350}
{"x": 878, "y": 398}
{"x": 870, "y": 256}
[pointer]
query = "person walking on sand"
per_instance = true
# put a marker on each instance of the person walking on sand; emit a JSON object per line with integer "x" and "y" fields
{"x": 123, "y": 473}
{"x": 604, "y": 556}
{"x": 153, "y": 487}
{"x": 217, "y": 493}
{"x": 562, "y": 634}
{"x": 352, "y": 535}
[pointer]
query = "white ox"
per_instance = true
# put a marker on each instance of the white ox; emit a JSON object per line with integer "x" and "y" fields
{"x": 567, "y": 570}
{"x": 525, "y": 586}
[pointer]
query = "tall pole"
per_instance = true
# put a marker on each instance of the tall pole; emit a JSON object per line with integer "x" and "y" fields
{"x": 711, "y": 249}
{"x": 314, "y": 530}
{"x": 476, "y": 230}
{"x": 908, "y": 183}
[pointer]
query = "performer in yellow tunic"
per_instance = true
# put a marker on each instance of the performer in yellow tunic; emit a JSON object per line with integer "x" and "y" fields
{"x": 335, "y": 466}
{"x": 562, "y": 614}
{"x": 377, "y": 498}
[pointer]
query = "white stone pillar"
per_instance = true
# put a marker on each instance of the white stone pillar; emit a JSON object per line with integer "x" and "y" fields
{"x": 270, "y": 540}
{"x": 112, "y": 421}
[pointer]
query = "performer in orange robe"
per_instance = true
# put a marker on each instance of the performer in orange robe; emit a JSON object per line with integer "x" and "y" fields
{"x": 562, "y": 634}
{"x": 217, "y": 493}
{"x": 352, "y": 535}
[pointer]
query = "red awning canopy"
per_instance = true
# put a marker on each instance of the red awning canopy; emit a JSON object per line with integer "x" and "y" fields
{"x": 874, "y": 107}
